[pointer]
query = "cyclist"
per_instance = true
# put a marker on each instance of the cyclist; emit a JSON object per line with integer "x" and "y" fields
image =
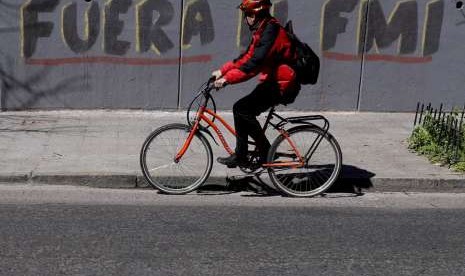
{"x": 269, "y": 54}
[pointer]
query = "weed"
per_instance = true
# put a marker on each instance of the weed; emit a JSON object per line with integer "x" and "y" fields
{"x": 434, "y": 139}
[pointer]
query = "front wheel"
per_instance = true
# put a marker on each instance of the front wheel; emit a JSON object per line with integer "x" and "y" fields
{"x": 157, "y": 160}
{"x": 317, "y": 173}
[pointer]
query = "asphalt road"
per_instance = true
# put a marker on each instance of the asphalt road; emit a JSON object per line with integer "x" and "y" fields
{"x": 49, "y": 230}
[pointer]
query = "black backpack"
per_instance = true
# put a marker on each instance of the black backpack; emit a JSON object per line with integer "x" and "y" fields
{"x": 307, "y": 65}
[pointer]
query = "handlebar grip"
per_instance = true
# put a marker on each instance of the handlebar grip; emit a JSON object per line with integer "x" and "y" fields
{"x": 211, "y": 79}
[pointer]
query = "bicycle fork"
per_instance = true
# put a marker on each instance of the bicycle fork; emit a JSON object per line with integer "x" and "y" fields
{"x": 188, "y": 141}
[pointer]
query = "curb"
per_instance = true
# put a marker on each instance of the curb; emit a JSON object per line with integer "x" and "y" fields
{"x": 90, "y": 180}
{"x": 350, "y": 185}
{"x": 14, "y": 178}
{"x": 418, "y": 185}
{"x": 113, "y": 181}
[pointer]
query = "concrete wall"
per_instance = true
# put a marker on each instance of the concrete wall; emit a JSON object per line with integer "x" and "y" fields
{"x": 376, "y": 55}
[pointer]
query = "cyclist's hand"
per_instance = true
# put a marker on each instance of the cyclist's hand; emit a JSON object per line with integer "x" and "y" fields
{"x": 217, "y": 74}
{"x": 220, "y": 83}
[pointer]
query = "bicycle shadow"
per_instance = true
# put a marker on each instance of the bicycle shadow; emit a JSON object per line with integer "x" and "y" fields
{"x": 245, "y": 184}
{"x": 352, "y": 180}
{"x": 252, "y": 184}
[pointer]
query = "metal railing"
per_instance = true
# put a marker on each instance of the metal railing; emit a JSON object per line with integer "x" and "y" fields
{"x": 445, "y": 127}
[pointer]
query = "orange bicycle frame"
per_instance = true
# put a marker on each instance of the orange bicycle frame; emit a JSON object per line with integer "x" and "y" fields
{"x": 202, "y": 117}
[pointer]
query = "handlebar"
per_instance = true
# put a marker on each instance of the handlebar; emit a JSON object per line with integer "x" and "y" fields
{"x": 211, "y": 79}
{"x": 209, "y": 84}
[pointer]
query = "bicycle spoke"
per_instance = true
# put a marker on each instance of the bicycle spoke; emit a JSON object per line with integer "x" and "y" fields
{"x": 160, "y": 167}
{"x": 188, "y": 172}
{"x": 310, "y": 179}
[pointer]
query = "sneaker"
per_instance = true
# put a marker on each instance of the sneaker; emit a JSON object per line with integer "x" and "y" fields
{"x": 232, "y": 161}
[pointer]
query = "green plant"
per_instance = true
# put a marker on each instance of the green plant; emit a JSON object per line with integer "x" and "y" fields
{"x": 419, "y": 138}
{"x": 459, "y": 167}
{"x": 433, "y": 140}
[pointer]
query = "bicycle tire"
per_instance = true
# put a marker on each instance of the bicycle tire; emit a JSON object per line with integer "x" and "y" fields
{"x": 297, "y": 182}
{"x": 157, "y": 161}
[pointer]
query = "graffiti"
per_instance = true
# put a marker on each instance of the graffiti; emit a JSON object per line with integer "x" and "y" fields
{"x": 113, "y": 27}
{"x": 376, "y": 32}
{"x": 70, "y": 28}
{"x": 333, "y": 23}
{"x": 402, "y": 26}
{"x": 377, "y": 29}
{"x": 151, "y": 35}
{"x": 106, "y": 51}
{"x": 197, "y": 21}
{"x": 31, "y": 27}
{"x": 433, "y": 26}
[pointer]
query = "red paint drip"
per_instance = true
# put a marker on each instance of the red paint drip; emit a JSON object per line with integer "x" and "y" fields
{"x": 118, "y": 60}
{"x": 377, "y": 57}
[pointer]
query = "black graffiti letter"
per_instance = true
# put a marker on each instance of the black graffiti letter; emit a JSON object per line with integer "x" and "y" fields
{"x": 333, "y": 23}
{"x": 198, "y": 20}
{"x": 435, "y": 14}
{"x": 70, "y": 29}
{"x": 403, "y": 23}
{"x": 150, "y": 34}
{"x": 31, "y": 28}
{"x": 113, "y": 27}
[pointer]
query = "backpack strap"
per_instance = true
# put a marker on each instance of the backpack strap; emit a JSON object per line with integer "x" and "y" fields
{"x": 262, "y": 26}
{"x": 289, "y": 28}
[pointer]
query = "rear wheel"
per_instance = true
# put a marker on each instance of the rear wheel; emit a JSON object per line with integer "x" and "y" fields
{"x": 157, "y": 159}
{"x": 317, "y": 174}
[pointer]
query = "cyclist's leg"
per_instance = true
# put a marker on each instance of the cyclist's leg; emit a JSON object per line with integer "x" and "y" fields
{"x": 264, "y": 96}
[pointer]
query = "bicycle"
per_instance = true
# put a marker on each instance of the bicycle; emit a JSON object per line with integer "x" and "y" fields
{"x": 303, "y": 161}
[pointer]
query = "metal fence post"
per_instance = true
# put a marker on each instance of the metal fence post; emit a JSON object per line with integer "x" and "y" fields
{"x": 416, "y": 114}
{"x": 421, "y": 113}
{"x": 461, "y": 118}
{"x": 2, "y": 95}
{"x": 460, "y": 135}
{"x": 456, "y": 140}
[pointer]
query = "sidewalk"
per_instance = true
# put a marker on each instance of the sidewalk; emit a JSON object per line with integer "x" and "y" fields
{"x": 101, "y": 149}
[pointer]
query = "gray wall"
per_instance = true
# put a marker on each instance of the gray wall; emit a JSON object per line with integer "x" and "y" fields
{"x": 376, "y": 55}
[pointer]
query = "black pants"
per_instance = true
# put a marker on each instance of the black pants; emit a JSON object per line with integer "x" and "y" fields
{"x": 245, "y": 111}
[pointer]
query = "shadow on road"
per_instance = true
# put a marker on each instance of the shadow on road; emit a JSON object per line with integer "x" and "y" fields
{"x": 352, "y": 180}
{"x": 242, "y": 184}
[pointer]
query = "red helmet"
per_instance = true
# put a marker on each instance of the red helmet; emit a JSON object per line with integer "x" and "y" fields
{"x": 254, "y": 6}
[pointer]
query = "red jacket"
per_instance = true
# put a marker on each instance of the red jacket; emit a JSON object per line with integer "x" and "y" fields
{"x": 268, "y": 54}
